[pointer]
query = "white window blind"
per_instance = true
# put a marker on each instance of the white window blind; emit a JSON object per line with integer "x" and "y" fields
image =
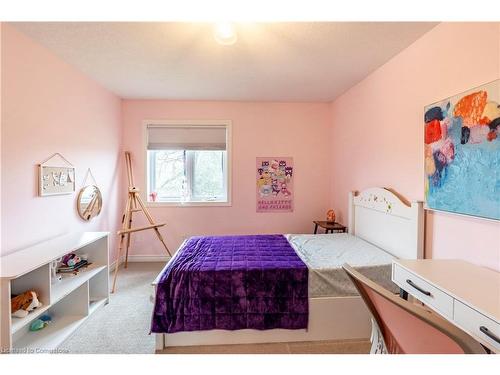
{"x": 186, "y": 137}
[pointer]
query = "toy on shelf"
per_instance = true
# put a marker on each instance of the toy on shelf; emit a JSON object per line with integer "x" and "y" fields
{"x": 22, "y": 304}
{"x": 40, "y": 323}
{"x": 330, "y": 216}
{"x": 71, "y": 259}
{"x": 71, "y": 263}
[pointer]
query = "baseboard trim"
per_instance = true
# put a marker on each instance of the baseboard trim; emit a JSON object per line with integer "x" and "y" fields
{"x": 148, "y": 258}
{"x": 141, "y": 259}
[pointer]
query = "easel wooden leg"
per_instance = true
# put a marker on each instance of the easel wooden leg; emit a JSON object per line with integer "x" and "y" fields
{"x": 128, "y": 240}
{"x": 117, "y": 265}
{"x": 160, "y": 237}
{"x": 126, "y": 218}
{"x": 151, "y": 221}
{"x": 132, "y": 209}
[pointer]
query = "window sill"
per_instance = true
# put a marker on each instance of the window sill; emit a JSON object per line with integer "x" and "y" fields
{"x": 188, "y": 204}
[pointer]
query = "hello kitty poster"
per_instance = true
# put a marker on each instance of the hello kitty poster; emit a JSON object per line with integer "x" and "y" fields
{"x": 274, "y": 184}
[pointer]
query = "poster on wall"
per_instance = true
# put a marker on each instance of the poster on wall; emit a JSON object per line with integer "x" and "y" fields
{"x": 274, "y": 184}
{"x": 462, "y": 153}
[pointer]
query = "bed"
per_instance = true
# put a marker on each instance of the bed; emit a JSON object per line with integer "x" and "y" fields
{"x": 382, "y": 227}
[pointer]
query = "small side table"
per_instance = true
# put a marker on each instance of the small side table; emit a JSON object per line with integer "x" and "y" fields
{"x": 330, "y": 227}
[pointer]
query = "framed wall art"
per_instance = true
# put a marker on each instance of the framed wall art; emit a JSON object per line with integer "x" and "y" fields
{"x": 56, "y": 176}
{"x": 274, "y": 184}
{"x": 462, "y": 153}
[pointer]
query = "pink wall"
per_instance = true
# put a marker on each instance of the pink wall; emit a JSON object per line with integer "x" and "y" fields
{"x": 377, "y": 136}
{"x": 299, "y": 130}
{"x": 47, "y": 107}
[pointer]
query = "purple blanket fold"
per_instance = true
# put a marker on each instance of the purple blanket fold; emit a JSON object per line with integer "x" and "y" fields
{"x": 232, "y": 282}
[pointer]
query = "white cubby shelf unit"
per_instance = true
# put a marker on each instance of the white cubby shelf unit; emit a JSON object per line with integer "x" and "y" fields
{"x": 69, "y": 301}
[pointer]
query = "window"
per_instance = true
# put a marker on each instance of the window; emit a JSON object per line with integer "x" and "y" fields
{"x": 188, "y": 163}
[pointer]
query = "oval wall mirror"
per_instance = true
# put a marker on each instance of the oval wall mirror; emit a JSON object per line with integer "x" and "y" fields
{"x": 89, "y": 202}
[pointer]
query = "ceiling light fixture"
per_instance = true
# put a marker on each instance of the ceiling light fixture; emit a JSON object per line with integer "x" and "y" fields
{"x": 224, "y": 33}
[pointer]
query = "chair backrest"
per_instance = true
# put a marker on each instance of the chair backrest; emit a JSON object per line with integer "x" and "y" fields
{"x": 408, "y": 328}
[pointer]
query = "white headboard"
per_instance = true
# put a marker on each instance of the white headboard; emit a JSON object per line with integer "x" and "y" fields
{"x": 386, "y": 220}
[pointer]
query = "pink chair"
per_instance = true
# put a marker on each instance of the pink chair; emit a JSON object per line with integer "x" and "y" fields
{"x": 407, "y": 328}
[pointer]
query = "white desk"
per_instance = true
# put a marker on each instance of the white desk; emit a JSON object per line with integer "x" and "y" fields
{"x": 466, "y": 295}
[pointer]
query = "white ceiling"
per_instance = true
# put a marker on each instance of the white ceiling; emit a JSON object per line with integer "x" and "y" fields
{"x": 269, "y": 62}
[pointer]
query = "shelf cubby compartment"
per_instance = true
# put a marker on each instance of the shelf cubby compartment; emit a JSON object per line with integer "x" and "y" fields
{"x": 67, "y": 315}
{"x": 37, "y": 280}
{"x": 98, "y": 259}
{"x": 60, "y": 289}
{"x": 94, "y": 252}
{"x": 98, "y": 290}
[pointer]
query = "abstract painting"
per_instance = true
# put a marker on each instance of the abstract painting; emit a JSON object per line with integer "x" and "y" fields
{"x": 462, "y": 153}
{"x": 274, "y": 184}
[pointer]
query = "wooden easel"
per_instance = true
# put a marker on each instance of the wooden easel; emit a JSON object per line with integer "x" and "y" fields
{"x": 134, "y": 204}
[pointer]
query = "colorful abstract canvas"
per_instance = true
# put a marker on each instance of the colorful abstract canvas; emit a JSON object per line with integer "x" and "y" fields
{"x": 462, "y": 153}
{"x": 274, "y": 184}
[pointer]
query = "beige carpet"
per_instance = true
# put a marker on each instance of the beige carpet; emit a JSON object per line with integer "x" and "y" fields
{"x": 122, "y": 326}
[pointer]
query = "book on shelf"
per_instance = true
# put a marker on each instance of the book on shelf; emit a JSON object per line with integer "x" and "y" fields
{"x": 70, "y": 269}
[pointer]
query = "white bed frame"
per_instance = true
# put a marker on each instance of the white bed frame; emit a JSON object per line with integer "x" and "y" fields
{"x": 376, "y": 215}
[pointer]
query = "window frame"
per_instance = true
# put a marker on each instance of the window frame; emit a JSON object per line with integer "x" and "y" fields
{"x": 228, "y": 160}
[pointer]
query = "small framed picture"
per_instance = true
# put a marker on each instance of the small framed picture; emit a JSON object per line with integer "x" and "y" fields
{"x": 56, "y": 178}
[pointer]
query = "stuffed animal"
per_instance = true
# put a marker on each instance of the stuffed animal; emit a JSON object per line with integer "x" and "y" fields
{"x": 22, "y": 304}
{"x": 40, "y": 323}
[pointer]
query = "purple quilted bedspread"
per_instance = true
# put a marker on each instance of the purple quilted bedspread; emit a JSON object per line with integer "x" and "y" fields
{"x": 232, "y": 282}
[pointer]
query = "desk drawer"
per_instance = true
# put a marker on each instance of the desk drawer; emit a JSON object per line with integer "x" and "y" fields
{"x": 423, "y": 291}
{"x": 472, "y": 321}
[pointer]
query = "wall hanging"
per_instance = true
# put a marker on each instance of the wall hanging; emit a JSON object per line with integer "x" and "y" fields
{"x": 462, "y": 153}
{"x": 56, "y": 176}
{"x": 274, "y": 184}
{"x": 89, "y": 201}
